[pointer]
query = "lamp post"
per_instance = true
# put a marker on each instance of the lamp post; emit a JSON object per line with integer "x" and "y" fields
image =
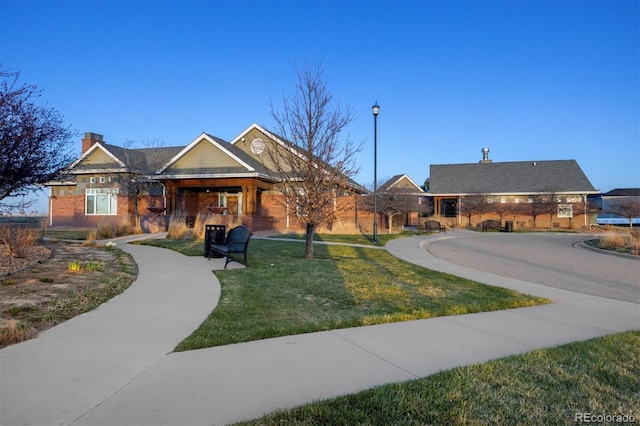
{"x": 376, "y": 110}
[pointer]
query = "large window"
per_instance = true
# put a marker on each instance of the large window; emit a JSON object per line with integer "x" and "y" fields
{"x": 101, "y": 201}
{"x": 565, "y": 210}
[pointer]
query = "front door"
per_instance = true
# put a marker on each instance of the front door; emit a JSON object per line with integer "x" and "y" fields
{"x": 232, "y": 204}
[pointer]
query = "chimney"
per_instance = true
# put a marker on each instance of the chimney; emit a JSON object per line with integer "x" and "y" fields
{"x": 485, "y": 156}
{"x": 89, "y": 140}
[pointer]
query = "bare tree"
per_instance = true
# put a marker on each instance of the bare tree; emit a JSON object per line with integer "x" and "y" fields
{"x": 310, "y": 162}
{"x": 535, "y": 206}
{"x": 474, "y": 204}
{"x": 502, "y": 209}
{"x": 627, "y": 208}
{"x": 136, "y": 179}
{"x": 34, "y": 142}
{"x": 396, "y": 201}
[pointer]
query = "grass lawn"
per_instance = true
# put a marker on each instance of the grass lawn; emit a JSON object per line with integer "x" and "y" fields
{"x": 351, "y": 238}
{"x": 281, "y": 293}
{"x": 543, "y": 387}
{"x": 65, "y": 234}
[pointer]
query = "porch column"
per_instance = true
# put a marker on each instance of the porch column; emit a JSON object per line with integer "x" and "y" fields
{"x": 249, "y": 197}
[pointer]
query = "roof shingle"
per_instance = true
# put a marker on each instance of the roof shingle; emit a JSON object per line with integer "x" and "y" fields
{"x": 509, "y": 178}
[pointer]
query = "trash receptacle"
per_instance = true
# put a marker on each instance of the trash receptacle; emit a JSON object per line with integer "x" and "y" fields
{"x": 213, "y": 234}
{"x": 508, "y": 226}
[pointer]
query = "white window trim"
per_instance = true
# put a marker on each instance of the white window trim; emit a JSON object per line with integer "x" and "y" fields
{"x": 112, "y": 205}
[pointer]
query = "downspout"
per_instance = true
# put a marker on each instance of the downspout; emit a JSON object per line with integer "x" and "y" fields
{"x": 287, "y": 213}
{"x": 50, "y": 207}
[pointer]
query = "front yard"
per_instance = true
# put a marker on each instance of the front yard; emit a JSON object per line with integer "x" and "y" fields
{"x": 281, "y": 293}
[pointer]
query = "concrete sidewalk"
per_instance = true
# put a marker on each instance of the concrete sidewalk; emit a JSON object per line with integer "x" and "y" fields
{"x": 110, "y": 368}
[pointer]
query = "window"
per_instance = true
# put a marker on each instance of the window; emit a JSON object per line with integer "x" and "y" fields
{"x": 102, "y": 180}
{"x": 92, "y": 180}
{"x": 565, "y": 210}
{"x": 101, "y": 201}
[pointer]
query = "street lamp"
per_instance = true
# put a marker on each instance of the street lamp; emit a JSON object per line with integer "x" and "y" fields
{"x": 376, "y": 110}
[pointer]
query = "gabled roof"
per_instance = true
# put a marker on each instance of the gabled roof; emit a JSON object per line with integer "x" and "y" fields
{"x": 78, "y": 166}
{"x": 287, "y": 145}
{"x": 520, "y": 177}
{"x": 124, "y": 159}
{"x": 243, "y": 164}
{"x": 401, "y": 182}
{"x": 623, "y": 192}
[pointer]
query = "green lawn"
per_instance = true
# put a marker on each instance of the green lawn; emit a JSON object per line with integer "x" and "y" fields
{"x": 281, "y": 293}
{"x": 543, "y": 387}
{"x": 58, "y": 234}
{"x": 351, "y": 238}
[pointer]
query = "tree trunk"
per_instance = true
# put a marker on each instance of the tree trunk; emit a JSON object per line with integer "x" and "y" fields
{"x": 308, "y": 251}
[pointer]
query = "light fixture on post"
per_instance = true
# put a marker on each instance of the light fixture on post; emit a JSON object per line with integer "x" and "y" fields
{"x": 376, "y": 110}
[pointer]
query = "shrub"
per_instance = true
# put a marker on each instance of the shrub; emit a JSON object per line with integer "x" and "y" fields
{"x": 18, "y": 239}
{"x": 74, "y": 266}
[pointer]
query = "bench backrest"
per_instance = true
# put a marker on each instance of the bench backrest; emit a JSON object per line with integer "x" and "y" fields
{"x": 432, "y": 224}
{"x": 238, "y": 239}
{"x": 491, "y": 223}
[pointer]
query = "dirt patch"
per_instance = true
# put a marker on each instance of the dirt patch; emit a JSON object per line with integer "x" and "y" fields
{"x": 43, "y": 289}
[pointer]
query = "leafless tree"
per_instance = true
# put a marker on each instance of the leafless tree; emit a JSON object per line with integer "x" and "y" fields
{"x": 627, "y": 208}
{"x": 396, "y": 201}
{"x": 311, "y": 161}
{"x": 474, "y": 204}
{"x": 502, "y": 209}
{"x": 136, "y": 179}
{"x": 535, "y": 206}
{"x": 34, "y": 142}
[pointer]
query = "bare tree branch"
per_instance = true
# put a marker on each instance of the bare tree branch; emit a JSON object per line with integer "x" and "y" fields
{"x": 310, "y": 160}
{"x": 34, "y": 142}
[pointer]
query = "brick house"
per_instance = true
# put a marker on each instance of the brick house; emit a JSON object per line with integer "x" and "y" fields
{"x": 531, "y": 194}
{"x": 209, "y": 176}
{"x": 412, "y": 201}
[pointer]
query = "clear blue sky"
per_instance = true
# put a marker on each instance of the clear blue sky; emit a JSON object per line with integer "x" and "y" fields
{"x": 531, "y": 80}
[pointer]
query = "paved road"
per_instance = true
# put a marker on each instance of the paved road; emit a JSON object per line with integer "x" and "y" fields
{"x": 550, "y": 259}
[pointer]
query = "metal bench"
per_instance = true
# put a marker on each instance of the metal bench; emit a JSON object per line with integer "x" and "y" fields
{"x": 237, "y": 242}
{"x": 434, "y": 225}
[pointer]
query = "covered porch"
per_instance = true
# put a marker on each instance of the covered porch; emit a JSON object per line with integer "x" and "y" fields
{"x": 230, "y": 196}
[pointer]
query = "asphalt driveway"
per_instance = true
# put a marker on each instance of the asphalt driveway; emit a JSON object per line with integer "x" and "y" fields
{"x": 552, "y": 259}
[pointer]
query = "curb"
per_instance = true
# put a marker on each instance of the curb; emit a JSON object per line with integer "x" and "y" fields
{"x": 603, "y": 251}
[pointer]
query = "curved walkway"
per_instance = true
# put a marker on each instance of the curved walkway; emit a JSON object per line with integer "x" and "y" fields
{"x": 112, "y": 366}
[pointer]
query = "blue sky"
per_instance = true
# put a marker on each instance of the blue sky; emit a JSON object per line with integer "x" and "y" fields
{"x": 531, "y": 80}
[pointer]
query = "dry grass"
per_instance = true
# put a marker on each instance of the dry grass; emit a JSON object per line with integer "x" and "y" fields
{"x": 624, "y": 241}
{"x": 108, "y": 230}
{"x": 18, "y": 239}
{"x": 178, "y": 229}
{"x": 14, "y": 331}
